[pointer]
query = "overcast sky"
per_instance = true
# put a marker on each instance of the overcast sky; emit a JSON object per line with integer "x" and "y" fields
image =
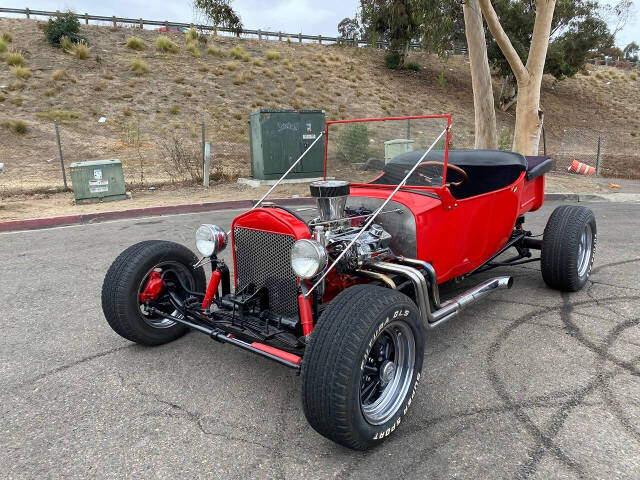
{"x": 291, "y": 16}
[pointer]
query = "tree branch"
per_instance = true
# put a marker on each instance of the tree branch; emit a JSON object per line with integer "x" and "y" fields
{"x": 490, "y": 16}
{"x": 540, "y": 37}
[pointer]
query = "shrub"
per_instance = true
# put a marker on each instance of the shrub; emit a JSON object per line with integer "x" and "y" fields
{"x": 23, "y": 73}
{"x": 138, "y": 67}
{"x": 126, "y": 112}
{"x": 15, "y": 59}
{"x": 80, "y": 50}
{"x": 58, "y": 75}
{"x": 136, "y": 43}
{"x": 62, "y": 116}
{"x": 17, "y": 126}
{"x": 193, "y": 49}
{"x": 62, "y": 25}
{"x": 3, "y": 46}
{"x": 272, "y": 55}
{"x": 505, "y": 139}
{"x": 17, "y": 101}
{"x": 231, "y": 66}
{"x": 6, "y": 37}
{"x": 239, "y": 54}
{"x": 107, "y": 76}
{"x": 182, "y": 160}
{"x": 300, "y": 91}
{"x": 216, "y": 52}
{"x": 203, "y": 68}
{"x": 257, "y": 62}
{"x": 2, "y": 98}
{"x": 295, "y": 104}
{"x": 413, "y": 66}
{"x": 392, "y": 60}
{"x": 179, "y": 80}
{"x": 192, "y": 35}
{"x": 165, "y": 45}
{"x": 633, "y": 76}
{"x": 239, "y": 80}
{"x": 174, "y": 110}
{"x": 353, "y": 143}
{"x": 66, "y": 44}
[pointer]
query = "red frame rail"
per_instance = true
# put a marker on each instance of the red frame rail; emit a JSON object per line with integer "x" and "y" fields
{"x": 385, "y": 119}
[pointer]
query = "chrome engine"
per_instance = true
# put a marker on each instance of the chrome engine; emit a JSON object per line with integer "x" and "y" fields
{"x": 338, "y": 225}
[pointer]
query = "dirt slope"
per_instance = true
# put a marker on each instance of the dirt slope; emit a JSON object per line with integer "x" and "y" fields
{"x": 180, "y": 91}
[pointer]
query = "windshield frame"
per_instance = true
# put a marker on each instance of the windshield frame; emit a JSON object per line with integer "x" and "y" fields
{"x": 446, "y": 116}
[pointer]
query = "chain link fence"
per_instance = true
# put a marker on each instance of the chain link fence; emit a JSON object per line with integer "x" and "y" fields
{"x": 585, "y": 145}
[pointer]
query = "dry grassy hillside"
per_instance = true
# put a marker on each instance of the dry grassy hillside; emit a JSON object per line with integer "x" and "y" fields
{"x": 170, "y": 94}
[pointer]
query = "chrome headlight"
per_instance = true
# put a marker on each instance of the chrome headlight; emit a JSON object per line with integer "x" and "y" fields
{"x": 308, "y": 258}
{"x": 210, "y": 239}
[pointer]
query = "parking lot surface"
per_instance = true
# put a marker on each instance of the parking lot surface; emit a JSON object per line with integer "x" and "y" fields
{"x": 528, "y": 383}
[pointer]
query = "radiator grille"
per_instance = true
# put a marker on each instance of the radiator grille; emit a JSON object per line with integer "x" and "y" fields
{"x": 264, "y": 259}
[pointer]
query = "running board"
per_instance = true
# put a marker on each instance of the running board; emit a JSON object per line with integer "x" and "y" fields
{"x": 427, "y": 293}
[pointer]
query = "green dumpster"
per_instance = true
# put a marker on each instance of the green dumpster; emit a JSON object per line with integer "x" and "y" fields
{"x": 98, "y": 181}
{"x": 279, "y": 137}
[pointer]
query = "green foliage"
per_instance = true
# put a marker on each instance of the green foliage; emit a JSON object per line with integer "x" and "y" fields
{"x": 220, "y": 13}
{"x": 442, "y": 80}
{"x": 80, "y": 50}
{"x": 413, "y": 66}
{"x": 353, "y": 143}
{"x": 394, "y": 20}
{"x": 136, "y": 43}
{"x": 239, "y": 54}
{"x": 66, "y": 44}
{"x": 505, "y": 139}
{"x": 165, "y": 45}
{"x": 138, "y": 67}
{"x": 62, "y": 116}
{"x": 272, "y": 55}
{"x": 15, "y": 59}
{"x": 62, "y": 25}
{"x": 216, "y": 52}
{"x": 22, "y": 73}
{"x": 6, "y": 37}
{"x": 192, "y": 48}
{"x": 392, "y": 60}
{"x": 349, "y": 29}
{"x": 631, "y": 51}
{"x": 3, "y": 46}
{"x": 191, "y": 35}
{"x": 18, "y": 126}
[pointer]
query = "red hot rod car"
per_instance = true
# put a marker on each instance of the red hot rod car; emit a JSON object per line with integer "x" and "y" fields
{"x": 348, "y": 297}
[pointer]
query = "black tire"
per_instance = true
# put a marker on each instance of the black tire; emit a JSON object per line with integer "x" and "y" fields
{"x": 563, "y": 266}
{"x": 333, "y": 366}
{"x": 121, "y": 284}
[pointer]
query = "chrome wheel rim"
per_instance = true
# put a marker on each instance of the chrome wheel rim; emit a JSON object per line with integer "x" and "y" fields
{"x": 388, "y": 370}
{"x": 584, "y": 250}
{"x": 184, "y": 273}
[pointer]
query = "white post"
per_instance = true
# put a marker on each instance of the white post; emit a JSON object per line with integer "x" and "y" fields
{"x": 207, "y": 164}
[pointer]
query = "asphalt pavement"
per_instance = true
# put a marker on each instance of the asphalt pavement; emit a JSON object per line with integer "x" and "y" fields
{"x": 528, "y": 383}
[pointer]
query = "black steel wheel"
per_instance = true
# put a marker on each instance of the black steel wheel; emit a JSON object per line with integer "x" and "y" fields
{"x": 568, "y": 248}
{"x": 127, "y": 279}
{"x": 362, "y": 366}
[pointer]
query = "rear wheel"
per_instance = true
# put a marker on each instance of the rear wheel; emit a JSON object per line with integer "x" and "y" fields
{"x": 362, "y": 366}
{"x": 568, "y": 248}
{"x": 127, "y": 280}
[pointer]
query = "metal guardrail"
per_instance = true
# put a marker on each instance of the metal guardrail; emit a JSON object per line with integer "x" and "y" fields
{"x": 140, "y": 22}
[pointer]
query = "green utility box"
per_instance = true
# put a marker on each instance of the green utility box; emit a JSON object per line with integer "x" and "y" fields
{"x": 393, "y": 148}
{"x": 279, "y": 137}
{"x": 98, "y": 181}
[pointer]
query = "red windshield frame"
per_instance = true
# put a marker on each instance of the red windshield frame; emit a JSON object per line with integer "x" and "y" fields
{"x": 385, "y": 119}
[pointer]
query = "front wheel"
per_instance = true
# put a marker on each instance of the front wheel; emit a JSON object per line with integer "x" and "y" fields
{"x": 124, "y": 287}
{"x": 568, "y": 248}
{"x": 362, "y": 366}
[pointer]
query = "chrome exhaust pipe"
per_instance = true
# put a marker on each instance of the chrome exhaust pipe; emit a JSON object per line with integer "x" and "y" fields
{"x": 428, "y": 293}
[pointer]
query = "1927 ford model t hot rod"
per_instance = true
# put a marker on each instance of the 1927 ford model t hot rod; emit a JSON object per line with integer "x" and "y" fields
{"x": 348, "y": 297}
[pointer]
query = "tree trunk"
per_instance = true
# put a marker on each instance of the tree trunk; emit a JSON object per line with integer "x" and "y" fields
{"x": 486, "y": 135}
{"x": 508, "y": 92}
{"x": 529, "y": 116}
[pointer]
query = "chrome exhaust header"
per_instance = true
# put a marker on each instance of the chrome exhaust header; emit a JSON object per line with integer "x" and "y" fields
{"x": 427, "y": 293}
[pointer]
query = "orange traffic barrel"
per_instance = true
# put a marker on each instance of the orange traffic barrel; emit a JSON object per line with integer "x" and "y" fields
{"x": 581, "y": 168}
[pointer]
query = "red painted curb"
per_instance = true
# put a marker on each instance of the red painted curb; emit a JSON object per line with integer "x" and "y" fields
{"x": 87, "y": 218}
